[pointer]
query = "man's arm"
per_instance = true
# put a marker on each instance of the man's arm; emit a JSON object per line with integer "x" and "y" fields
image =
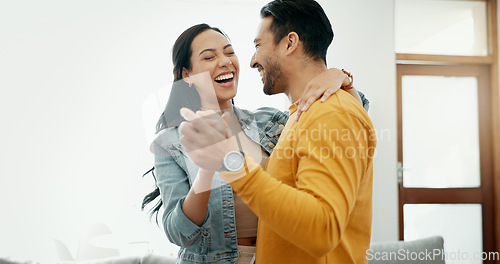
{"x": 327, "y": 186}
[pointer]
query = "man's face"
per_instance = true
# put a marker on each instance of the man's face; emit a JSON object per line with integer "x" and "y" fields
{"x": 267, "y": 60}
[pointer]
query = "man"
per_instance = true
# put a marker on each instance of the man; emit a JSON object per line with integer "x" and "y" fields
{"x": 314, "y": 199}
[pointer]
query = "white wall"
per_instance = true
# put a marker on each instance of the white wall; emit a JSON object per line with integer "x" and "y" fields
{"x": 364, "y": 44}
{"x": 77, "y": 79}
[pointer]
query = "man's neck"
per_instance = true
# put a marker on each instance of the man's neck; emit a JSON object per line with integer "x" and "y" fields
{"x": 297, "y": 82}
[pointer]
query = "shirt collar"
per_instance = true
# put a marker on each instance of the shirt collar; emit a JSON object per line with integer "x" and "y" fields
{"x": 293, "y": 107}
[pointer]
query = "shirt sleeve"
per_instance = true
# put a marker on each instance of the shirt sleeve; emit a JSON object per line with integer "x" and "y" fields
{"x": 174, "y": 187}
{"x": 326, "y": 189}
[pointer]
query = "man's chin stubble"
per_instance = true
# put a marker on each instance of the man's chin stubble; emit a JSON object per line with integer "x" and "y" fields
{"x": 269, "y": 87}
{"x": 268, "y": 91}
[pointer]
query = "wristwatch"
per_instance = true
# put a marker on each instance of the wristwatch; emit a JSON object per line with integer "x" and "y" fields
{"x": 233, "y": 161}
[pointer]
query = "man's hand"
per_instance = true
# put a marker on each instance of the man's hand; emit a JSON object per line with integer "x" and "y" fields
{"x": 204, "y": 138}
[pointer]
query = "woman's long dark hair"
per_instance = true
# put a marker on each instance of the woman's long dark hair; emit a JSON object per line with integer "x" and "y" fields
{"x": 182, "y": 95}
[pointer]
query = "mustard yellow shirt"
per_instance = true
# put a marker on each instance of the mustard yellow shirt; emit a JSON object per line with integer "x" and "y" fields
{"x": 314, "y": 199}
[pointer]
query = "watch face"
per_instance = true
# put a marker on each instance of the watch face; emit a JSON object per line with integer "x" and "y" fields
{"x": 234, "y": 161}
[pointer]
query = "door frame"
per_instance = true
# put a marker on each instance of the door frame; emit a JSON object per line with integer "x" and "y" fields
{"x": 484, "y": 194}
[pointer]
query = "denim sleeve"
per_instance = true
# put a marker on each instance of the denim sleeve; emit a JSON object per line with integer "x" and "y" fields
{"x": 174, "y": 187}
{"x": 366, "y": 103}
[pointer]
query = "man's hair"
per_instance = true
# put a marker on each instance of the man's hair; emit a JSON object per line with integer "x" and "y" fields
{"x": 304, "y": 17}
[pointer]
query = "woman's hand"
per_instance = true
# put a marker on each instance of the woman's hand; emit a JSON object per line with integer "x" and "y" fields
{"x": 324, "y": 85}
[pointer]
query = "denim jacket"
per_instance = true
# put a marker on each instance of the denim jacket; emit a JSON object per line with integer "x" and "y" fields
{"x": 215, "y": 241}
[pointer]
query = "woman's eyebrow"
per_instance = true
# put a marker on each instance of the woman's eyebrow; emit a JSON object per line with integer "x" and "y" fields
{"x": 213, "y": 50}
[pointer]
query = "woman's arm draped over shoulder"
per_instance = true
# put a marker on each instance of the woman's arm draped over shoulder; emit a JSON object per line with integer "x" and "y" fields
{"x": 324, "y": 85}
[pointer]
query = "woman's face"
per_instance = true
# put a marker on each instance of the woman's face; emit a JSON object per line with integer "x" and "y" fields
{"x": 214, "y": 69}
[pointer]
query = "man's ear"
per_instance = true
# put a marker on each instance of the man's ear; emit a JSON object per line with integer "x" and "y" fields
{"x": 292, "y": 42}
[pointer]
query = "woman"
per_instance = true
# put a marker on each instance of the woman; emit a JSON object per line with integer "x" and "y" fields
{"x": 213, "y": 225}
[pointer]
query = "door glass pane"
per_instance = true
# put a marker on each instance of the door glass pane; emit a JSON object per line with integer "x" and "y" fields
{"x": 441, "y": 27}
{"x": 440, "y": 132}
{"x": 460, "y": 225}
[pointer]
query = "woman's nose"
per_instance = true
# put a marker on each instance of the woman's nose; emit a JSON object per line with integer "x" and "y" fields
{"x": 225, "y": 61}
